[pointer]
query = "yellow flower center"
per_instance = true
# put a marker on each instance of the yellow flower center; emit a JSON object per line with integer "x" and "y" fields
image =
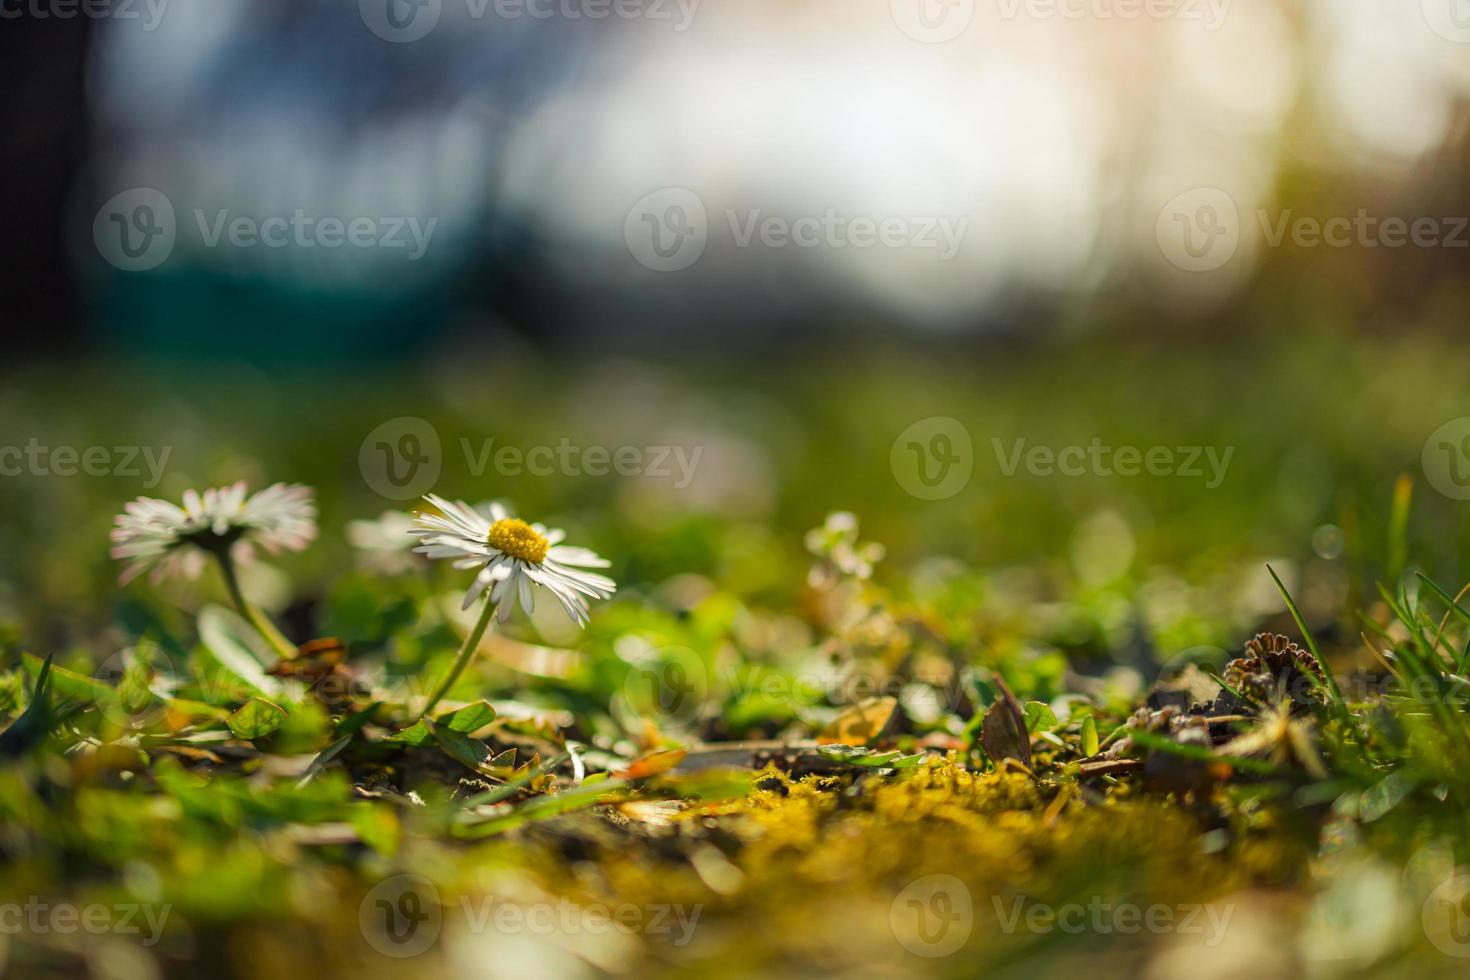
{"x": 518, "y": 539}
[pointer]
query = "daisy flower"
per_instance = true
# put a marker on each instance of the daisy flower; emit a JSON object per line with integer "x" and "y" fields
{"x": 383, "y": 542}
{"x": 224, "y": 524}
{"x": 169, "y": 539}
{"x": 511, "y": 556}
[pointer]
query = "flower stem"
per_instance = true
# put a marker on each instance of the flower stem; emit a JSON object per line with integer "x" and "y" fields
{"x": 254, "y": 616}
{"x": 466, "y": 654}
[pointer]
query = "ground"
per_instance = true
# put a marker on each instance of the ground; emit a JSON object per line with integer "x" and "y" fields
{"x": 824, "y": 723}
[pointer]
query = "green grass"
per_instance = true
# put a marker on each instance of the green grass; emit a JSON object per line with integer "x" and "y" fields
{"x": 262, "y": 802}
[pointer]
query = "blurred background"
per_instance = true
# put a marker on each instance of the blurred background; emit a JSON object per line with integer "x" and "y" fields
{"x": 777, "y": 232}
{"x": 538, "y": 145}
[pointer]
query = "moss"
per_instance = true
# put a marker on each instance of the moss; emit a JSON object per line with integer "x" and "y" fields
{"x": 807, "y": 849}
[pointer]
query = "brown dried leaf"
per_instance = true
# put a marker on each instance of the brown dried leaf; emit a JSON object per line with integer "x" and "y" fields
{"x": 860, "y": 724}
{"x": 1003, "y": 733}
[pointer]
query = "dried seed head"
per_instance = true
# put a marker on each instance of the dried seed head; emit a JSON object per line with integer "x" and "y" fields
{"x": 1273, "y": 663}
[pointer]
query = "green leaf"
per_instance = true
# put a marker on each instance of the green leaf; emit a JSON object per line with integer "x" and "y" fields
{"x": 134, "y": 692}
{"x": 856, "y": 755}
{"x": 1089, "y": 736}
{"x": 470, "y": 752}
{"x": 256, "y": 719}
{"x": 542, "y": 807}
{"x": 325, "y": 756}
{"x": 68, "y": 683}
{"x": 1039, "y": 717}
{"x": 377, "y": 826}
{"x": 470, "y": 718}
{"x": 36, "y": 721}
{"x": 843, "y": 753}
{"x": 227, "y": 638}
{"x": 418, "y": 734}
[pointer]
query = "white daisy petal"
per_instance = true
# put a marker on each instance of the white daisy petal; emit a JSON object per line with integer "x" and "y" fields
{"x": 589, "y": 583}
{"x": 168, "y": 539}
{"x": 477, "y": 587}
{"x": 577, "y": 556}
{"x": 513, "y": 555}
{"x": 528, "y": 603}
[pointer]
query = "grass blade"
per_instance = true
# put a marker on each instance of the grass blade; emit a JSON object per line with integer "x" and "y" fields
{"x": 1301, "y": 624}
